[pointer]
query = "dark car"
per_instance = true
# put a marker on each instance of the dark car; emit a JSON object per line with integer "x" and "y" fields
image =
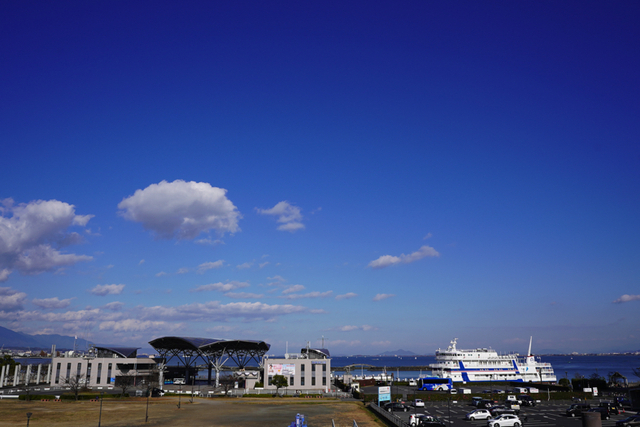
{"x": 577, "y": 409}
{"x": 633, "y": 420}
{"x": 499, "y": 410}
{"x": 526, "y": 400}
{"x": 395, "y": 406}
{"x": 604, "y": 412}
{"x": 613, "y": 408}
{"x": 623, "y": 401}
{"x": 486, "y": 404}
{"x": 430, "y": 420}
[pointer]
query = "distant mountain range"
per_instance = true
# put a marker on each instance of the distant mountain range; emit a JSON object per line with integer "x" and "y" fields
{"x": 398, "y": 353}
{"x": 16, "y": 340}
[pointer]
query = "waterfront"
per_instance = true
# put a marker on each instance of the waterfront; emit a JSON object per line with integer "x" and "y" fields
{"x": 565, "y": 365}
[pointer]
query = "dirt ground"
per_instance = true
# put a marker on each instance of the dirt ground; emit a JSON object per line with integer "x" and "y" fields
{"x": 245, "y": 412}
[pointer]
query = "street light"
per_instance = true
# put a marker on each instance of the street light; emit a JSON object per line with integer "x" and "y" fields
{"x": 149, "y": 390}
{"x": 28, "y": 416}
{"x": 100, "y": 417}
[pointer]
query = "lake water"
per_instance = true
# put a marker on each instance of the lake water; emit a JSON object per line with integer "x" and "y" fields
{"x": 562, "y": 365}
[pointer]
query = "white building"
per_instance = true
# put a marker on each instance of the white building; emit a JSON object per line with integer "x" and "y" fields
{"x": 103, "y": 367}
{"x": 310, "y": 370}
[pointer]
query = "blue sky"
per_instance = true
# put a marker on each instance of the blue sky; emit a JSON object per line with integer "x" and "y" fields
{"x": 381, "y": 175}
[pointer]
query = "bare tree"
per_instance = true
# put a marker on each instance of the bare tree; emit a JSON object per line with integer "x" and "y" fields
{"x": 124, "y": 382}
{"x": 76, "y": 383}
{"x": 227, "y": 382}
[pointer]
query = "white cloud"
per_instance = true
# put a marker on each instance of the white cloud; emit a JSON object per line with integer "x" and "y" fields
{"x": 627, "y": 298}
{"x": 244, "y": 266}
{"x": 52, "y": 302}
{"x": 214, "y": 311}
{"x": 209, "y": 242}
{"x": 310, "y": 295}
{"x": 288, "y": 215}
{"x": 141, "y": 262}
{"x": 292, "y": 289}
{"x": 263, "y": 264}
{"x": 135, "y": 325}
{"x": 388, "y": 260}
{"x": 114, "y": 306}
{"x": 428, "y": 236}
{"x": 346, "y": 296}
{"x": 181, "y": 209}
{"x": 103, "y": 290}
{"x": 160, "y": 274}
{"x": 276, "y": 280}
{"x": 349, "y": 328}
{"x": 210, "y": 265}
{"x": 32, "y": 234}
{"x": 182, "y": 270}
{"x": 243, "y": 295}
{"x": 380, "y": 297}
{"x": 11, "y": 300}
{"x": 222, "y": 287}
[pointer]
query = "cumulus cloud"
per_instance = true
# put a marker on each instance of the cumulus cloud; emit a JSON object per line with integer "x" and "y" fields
{"x": 244, "y": 265}
{"x": 248, "y": 295}
{"x": 103, "y": 290}
{"x": 380, "y": 297}
{"x": 388, "y": 260}
{"x": 346, "y": 296}
{"x": 182, "y": 270}
{"x": 181, "y": 209}
{"x": 210, "y": 265}
{"x": 627, "y": 298}
{"x": 221, "y": 287}
{"x": 292, "y": 289}
{"x": 161, "y": 273}
{"x": 289, "y": 216}
{"x": 114, "y": 306}
{"x": 310, "y": 295}
{"x": 263, "y": 264}
{"x": 214, "y": 311}
{"x": 135, "y": 325}
{"x": 11, "y": 300}
{"x": 33, "y": 234}
{"x": 52, "y": 302}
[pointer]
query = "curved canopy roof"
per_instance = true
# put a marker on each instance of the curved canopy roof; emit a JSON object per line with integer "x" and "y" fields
{"x": 126, "y": 352}
{"x": 180, "y": 343}
{"x": 236, "y": 345}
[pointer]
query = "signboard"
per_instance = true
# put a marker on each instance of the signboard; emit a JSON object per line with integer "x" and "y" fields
{"x": 384, "y": 394}
{"x": 286, "y": 369}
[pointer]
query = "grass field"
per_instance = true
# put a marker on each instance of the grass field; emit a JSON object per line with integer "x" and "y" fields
{"x": 164, "y": 411}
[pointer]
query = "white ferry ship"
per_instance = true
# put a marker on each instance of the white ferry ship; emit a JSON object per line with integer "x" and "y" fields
{"x": 485, "y": 364}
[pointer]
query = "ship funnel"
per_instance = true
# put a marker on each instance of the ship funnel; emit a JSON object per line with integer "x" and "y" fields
{"x": 530, "y": 339}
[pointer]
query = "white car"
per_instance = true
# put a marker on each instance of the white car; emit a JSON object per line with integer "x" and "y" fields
{"x": 414, "y": 419}
{"x": 418, "y": 403}
{"x": 479, "y": 414}
{"x": 505, "y": 420}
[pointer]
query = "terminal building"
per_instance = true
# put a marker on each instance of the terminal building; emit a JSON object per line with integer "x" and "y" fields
{"x": 310, "y": 370}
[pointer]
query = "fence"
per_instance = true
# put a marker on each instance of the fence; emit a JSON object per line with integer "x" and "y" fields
{"x": 389, "y": 416}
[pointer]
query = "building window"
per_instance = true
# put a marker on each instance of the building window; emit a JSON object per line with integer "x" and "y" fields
{"x": 291, "y": 381}
{"x": 68, "y": 371}
{"x": 313, "y": 381}
{"x": 109, "y": 373}
{"x": 99, "y": 373}
{"x": 324, "y": 380}
{"x": 269, "y": 380}
{"x": 79, "y": 369}
{"x": 302, "y": 380}
{"x": 88, "y": 373}
{"x": 58, "y": 373}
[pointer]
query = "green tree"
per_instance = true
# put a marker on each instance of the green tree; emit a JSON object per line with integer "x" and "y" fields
{"x": 564, "y": 382}
{"x": 279, "y": 381}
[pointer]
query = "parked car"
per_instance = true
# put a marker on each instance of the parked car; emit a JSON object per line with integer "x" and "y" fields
{"x": 430, "y": 420}
{"x": 486, "y": 403}
{"x": 414, "y": 419}
{"x": 505, "y": 421}
{"x": 475, "y": 400}
{"x": 576, "y": 409}
{"x": 604, "y": 412}
{"x": 633, "y": 420}
{"x": 526, "y": 400}
{"x": 623, "y": 401}
{"x": 613, "y": 408}
{"x": 499, "y": 410}
{"x": 479, "y": 414}
{"x": 396, "y": 406}
{"x": 418, "y": 403}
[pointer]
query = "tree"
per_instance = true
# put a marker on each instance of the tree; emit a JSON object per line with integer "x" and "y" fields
{"x": 75, "y": 383}
{"x": 227, "y": 382}
{"x": 279, "y": 381}
{"x": 564, "y": 382}
{"x": 124, "y": 381}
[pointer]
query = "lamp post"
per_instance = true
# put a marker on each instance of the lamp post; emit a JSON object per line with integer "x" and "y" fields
{"x": 100, "y": 416}
{"x": 180, "y": 396}
{"x": 146, "y": 416}
{"x": 28, "y": 416}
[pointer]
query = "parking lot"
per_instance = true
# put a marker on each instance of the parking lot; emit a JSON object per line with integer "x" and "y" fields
{"x": 543, "y": 414}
